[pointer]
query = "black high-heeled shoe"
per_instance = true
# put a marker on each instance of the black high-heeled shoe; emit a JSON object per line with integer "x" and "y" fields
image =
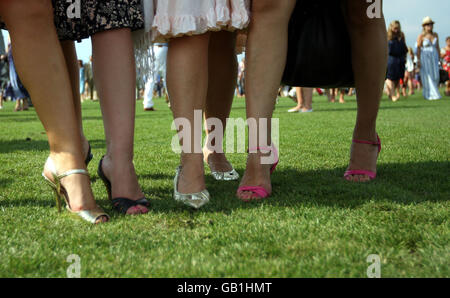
{"x": 120, "y": 204}
{"x": 89, "y": 156}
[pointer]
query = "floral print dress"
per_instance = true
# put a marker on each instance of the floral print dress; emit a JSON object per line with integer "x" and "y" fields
{"x": 95, "y": 16}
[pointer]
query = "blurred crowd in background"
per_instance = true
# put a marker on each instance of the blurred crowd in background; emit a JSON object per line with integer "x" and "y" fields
{"x": 421, "y": 67}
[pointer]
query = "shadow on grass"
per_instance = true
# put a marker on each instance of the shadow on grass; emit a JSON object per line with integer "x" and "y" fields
{"x": 29, "y": 144}
{"x": 23, "y": 145}
{"x": 381, "y": 108}
{"x": 409, "y": 183}
{"x": 5, "y": 182}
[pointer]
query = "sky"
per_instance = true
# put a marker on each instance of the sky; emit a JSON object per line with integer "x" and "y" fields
{"x": 409, "y": 12}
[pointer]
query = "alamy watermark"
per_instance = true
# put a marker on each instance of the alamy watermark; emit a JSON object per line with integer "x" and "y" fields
{"x": 74, "y": 9}
{"x": 374, "y": 9}
{"x": 74, "y": 269}
{"x": 374, "y": 269}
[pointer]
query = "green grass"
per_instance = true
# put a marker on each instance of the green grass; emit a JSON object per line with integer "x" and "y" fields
{"x": 314, "y": 225}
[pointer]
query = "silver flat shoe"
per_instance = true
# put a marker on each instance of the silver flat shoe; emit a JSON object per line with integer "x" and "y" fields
{"x": 194, "y": 200}
{"x": 92, "y": 215}
{"x": 226, "y": 176}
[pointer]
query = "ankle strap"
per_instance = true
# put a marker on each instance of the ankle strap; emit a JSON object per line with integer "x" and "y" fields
{"x": 72, "y": 172}
{"x": 377, "y": 143}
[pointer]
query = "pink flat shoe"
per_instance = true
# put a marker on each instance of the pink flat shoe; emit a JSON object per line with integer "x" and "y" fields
{"x": 259, "y": 191}
{"x": 370, "y": 174}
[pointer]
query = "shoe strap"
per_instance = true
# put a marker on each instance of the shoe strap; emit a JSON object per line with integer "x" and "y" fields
{"x": 58, "y": 177}
{"x": 377, "y": 143}
{"x": 72, "y": 172}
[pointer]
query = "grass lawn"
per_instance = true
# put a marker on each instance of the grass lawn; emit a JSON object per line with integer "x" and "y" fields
{"x": 315, "y": 224}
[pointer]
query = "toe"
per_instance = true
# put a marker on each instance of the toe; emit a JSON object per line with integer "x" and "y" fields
{"x": 142, "y": 209}
{"x": 133, "y": 210}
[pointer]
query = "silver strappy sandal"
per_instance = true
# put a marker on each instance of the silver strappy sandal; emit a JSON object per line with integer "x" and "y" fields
{"x": 91, "y": 216}
{"x": 226, "y": 176}
{"x": 194, "y": 200}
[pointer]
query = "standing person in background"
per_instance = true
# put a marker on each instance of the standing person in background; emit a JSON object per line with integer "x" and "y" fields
{"x": 160, "y": 50}
{"x": 396, "y": 60}
{"x": 17, "y": 90}
{"x": 304, "y": 100}
{"x": 305, "y": 96}
{"x": 82, "y": 80}
{"x": 89, "y": 78}
{"x": 241, "y": 39}
{"x": 2, "y": 44}
{"x": 334, "y": 93}
{"x": 4, "y": 77}
{"x": 3, "y": 69}
{"x": 428, "y": 60}
{"x": 241, "y": 79}
{"x": 408, "y": 81}
{"x": 446, "y": 63}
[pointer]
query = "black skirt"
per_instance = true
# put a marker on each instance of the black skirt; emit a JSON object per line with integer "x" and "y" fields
{"x": 95, "y": 16}
{"x": 396, "y": 60}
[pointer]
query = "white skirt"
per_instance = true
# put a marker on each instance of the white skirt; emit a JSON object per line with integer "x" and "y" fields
{"x": 175, "y": 18}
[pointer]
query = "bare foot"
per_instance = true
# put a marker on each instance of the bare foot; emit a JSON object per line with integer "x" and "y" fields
{"x": 124, "y": 182}
{"x": 256, "y": 174}
{"x": 362, "y": 157}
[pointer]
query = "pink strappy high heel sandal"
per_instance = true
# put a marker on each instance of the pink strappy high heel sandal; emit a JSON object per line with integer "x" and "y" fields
{"x": 370, "y": 174}
{"x": 259, "y": 191}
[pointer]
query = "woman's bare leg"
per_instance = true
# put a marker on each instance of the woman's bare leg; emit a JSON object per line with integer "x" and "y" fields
{"x": 115, "y": 80}
{"x": 187, "y": 83}
{"x": 269, "y": 21}
{"x": 370, "y": 71}
{"x": 341, "y": 97}
{"x": 300, "y": 102}
{"x": 38, "y": 55}
{"x": 306, "y": 98}
{"x": 222, "y": 79}
{"x": 390, "y": 89}
{"x": 410, "y": 84}
{"x": 70, "y": 55}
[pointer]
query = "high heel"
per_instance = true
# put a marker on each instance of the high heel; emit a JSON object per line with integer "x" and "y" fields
{"x": 259, "y": 191}
{"x": 194, "y": 200}
{"x": 93, "y": 215}
{"x": 89, "y": 156}
{"x": 223, "y": 176}
{"x": 370, "y": 174}
{"x": 121, "y": 205}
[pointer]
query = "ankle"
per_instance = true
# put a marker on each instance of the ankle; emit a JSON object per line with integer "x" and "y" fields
{"x": 365, "y": 135}
{"x": 67, "y": 161}
{"x": 191, "y": 157}
{"x": 119, "y": 159}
